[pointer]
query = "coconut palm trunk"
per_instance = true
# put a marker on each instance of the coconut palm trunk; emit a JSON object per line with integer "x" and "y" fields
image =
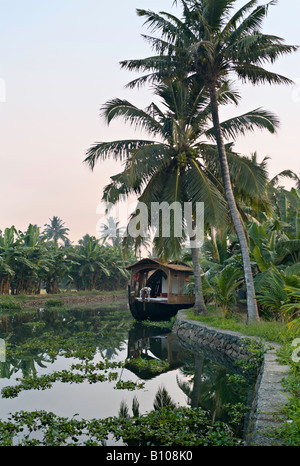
{"x": 200, "y": 306}
{"x": 198, "y": 379}
{"x": 237, "y": 221}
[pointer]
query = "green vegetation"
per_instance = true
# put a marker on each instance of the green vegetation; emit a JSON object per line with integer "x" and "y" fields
{"x": 274, "y": 246}
{"x": 184, "y": 126}
{"x": 270, "y": 331}
{"x": 32, "y": 260}
{"x": 77, "y": 373}
{"x": 163, "y": 324}
{"x": 190, "y": 427}
{"x": 194, "y": 57}
{"x": 154, "y": 366}
{"x": 289, "y": 433}
{"x": 41, "y": 338}
{"x": 9, "y": 303}
{"x": 286, "y": 336}
{"x": 209, "y": 44}
{"x": 246, "y": 275}
{"x": 54, "y": 303}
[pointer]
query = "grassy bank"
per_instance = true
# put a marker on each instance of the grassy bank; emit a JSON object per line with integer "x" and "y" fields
{"x": 272, "y": 331}
{"x": 61, "y": 295}
{"x": 63, "y": 300}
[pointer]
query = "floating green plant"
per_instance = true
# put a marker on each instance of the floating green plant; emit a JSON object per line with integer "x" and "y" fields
{"x": 166, "y": 427}
{"x": 153, "y": 366}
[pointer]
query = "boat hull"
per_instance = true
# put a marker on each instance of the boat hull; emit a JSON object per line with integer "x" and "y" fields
{"x": 145, "y": 310}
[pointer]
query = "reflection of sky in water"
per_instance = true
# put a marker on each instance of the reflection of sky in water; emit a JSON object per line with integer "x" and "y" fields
{"x": 96, "y": 400}
{"x": 101, "y": 399}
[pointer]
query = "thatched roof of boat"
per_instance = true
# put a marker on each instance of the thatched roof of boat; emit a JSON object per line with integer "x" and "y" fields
{"x": 148, "y": 263}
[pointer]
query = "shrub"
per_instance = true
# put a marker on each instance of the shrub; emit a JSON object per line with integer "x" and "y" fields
{"x": 9, "y": 304}
{"x": 54, "y": 303}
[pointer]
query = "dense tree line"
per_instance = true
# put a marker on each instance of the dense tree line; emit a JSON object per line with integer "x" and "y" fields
{"x": 35, "y": 259}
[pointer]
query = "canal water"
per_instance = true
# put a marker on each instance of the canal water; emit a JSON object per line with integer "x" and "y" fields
{"x": 44, "y": 341}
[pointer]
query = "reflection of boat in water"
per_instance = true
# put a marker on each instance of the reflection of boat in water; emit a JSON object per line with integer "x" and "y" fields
{"x": 153, "y": 343}
{"x": 155, "y": 291}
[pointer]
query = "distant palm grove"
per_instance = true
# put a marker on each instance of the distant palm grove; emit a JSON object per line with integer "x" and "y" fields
{"x": 45, "y": 259}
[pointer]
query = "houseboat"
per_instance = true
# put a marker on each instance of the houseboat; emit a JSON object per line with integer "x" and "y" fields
{"x": 155, "y": 291}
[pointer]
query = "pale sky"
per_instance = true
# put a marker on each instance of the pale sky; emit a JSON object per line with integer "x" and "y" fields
{"x": 59, "y": 62}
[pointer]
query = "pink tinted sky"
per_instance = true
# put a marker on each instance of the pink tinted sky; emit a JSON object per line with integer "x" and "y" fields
{"x": 59, "y": 61}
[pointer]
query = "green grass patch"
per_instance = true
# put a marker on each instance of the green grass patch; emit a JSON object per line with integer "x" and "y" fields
{"x": 271, "y": 331}
{"x": 66, "y": 294}
{"x": 8, "y": 303}
{"x": 289, "y": 433}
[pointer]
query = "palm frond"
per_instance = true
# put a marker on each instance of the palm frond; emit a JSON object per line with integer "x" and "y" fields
{"x": 140, "y": 165}
{"x": 143, "y": 64}
{"x": 252, "y": 179}
{"x": 285, "y": 173}
{"x": 117, "y": 108}
{"x": 177, "y": 33}
{"x": 118, "y": 187}
{"x": 238, "y": 16}
{"x": 252, "y": 23}
{"x": 168, "y": 26}
{"x": 201, "y": 189}
{"x": 259, "y": 48}
{"x": 167, "y": 217}
{"x": 118, "y": 150}
{"x": 250, "y": 121}
{"x": 159, "y": 45}
{"x": 150, "y": 78}
{"x": 256, "y": 74}
{"x": 146, "y": 161}
{"x": 227, "y": 94}
{"x": 163, "y": 400}
{"x": 214, "y": 12}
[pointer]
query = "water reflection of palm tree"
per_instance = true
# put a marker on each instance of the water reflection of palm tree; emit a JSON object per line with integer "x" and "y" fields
{"x": 194, "y": 396}
{"x": 26, "y": 365}
{"x": 30, "y": 346}
{"x": 112, "y": 351}
{"x": 208, "y": 388}
{"x": 162, "y": 399}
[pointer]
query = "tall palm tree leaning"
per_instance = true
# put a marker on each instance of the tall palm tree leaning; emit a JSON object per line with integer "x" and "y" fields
{"x": 212, "y": 42}
{"x": 172, "y": 168}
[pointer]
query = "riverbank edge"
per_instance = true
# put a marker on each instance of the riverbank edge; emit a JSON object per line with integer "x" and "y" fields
{"x": 269, "y": 394}
{"x": 75, "y": 300}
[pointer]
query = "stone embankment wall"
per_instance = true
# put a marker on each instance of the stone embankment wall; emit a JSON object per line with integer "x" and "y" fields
{"x": 226, "y": 347}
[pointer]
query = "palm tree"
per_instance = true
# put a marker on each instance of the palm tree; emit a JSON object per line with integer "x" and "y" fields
{"x": 210, "y": 45}
{"x": 89, "y": 263}
{"x": 7, "y": 258}
{"x": 31, "y": 261}
{"x": 172, "y": 168}
{"x": 57, "y": 268}
{"x": 56, "y": 230}
{"x": 111, "y": 231}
